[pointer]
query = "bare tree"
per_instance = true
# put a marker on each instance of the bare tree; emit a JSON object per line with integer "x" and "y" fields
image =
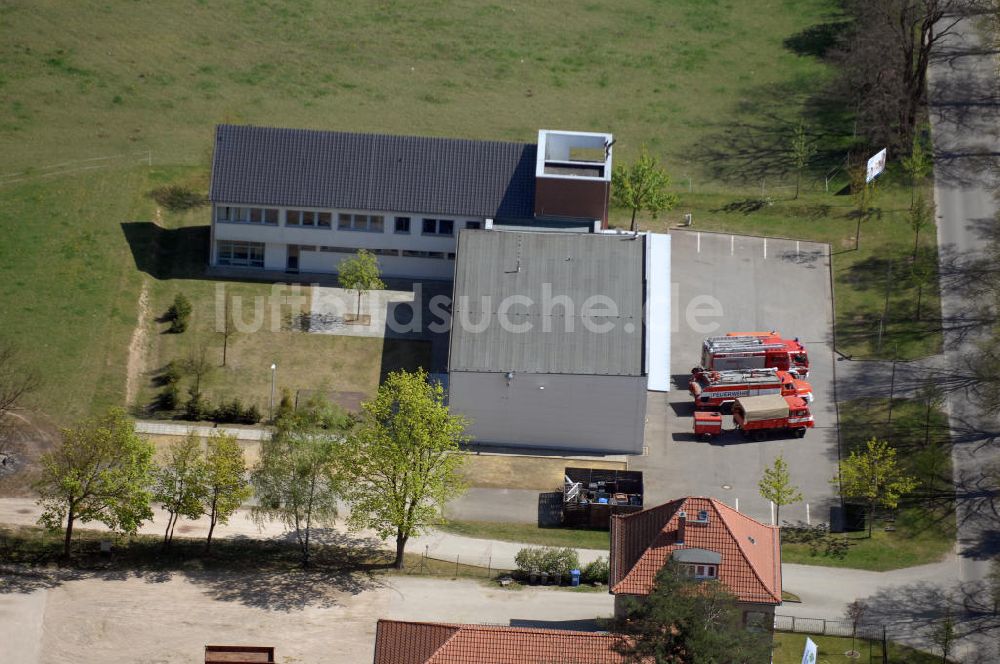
{"x": 885, "y": 61}
{"x": 16, "y": 382}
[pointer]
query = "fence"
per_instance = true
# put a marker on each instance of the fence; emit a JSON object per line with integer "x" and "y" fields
{"x": 467, "y": 565}
{"x": 77, "y": 166}
{"x": 872, "y": 640}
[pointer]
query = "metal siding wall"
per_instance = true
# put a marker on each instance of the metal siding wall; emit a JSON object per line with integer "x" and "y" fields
{"x": 573, "y": 412}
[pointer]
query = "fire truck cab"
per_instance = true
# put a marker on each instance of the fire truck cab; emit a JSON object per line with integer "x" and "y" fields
{"x": 715, "y": 389}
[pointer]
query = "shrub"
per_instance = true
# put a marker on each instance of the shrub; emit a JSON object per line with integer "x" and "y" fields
{"x": 172, "y": 373}
{"x": 234, "y": 412}
{"x": 286, "y": 406}
{"x": 169, "y": 398}
{"x": 595, "y": 572}
{"x": 529, "y": 560}
{"x": 177, "y": 199}
{"x": 560, "y": 561}
{"x": 179, "y": 313}
{"x": 251, "y": 415}
{"x": 197, "y": 408}
{"x": 546, "y": 559}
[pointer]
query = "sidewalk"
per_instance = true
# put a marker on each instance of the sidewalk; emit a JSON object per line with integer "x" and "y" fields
{"x": 445, "y": 546}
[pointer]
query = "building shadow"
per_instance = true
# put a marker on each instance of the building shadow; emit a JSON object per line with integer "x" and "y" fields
{"x": 168, "y": 253}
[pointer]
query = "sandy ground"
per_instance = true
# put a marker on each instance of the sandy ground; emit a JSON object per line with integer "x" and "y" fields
{"x": 169, "y": 618}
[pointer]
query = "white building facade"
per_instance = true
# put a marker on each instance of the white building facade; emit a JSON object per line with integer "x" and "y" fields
{"x": 294, "y": 201}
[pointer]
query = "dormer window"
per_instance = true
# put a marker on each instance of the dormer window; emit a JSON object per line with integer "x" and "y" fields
{"x": 702, "y": 571}
{"x": 698, "y": 563}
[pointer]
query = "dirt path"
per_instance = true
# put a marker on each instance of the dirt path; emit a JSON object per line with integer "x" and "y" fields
{"x": 137, "y": 347}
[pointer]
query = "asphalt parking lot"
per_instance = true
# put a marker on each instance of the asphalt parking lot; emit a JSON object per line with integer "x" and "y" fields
{"x": 759, "y": 284}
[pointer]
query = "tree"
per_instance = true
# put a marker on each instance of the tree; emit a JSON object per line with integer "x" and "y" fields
{"x": 225, "y": 482}
{"x": 99, "y": 472}
{"x": 360, "y": 273}
{"x": 296, "y": 478}
{"x": 180, "y": 484}
{"x": 16, "y": 382}
{"x": 198, "y": 365}
{"x": 919, "y": 219}
{"x": 855, "y": 614}
{"x": 801, "y": 150}
{"x": 885, "y": 60}
{"x": 686, "y": 621}
{"x": 943, "y": 634}
{"x": 776, "y": 486}
{"x": 874, "y": 476}
{"x": 917, "y": 165}
{"x": 401, "y": 464}
{"x": 642, "y": 186}
{"x": 226, "y": 329}
{"x": 863, "y": 194}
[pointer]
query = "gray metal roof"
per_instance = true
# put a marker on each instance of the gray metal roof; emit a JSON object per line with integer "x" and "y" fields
{"x": 342, "y": 170}
{"x": 493, "y": 266}
{"x": 698, "y": 556}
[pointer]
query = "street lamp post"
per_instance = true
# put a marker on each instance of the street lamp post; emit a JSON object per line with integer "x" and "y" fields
{"x": 270, "y": 404}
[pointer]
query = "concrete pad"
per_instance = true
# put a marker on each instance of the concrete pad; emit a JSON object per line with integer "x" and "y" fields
{"x": 756, "y": 284}
{"x": 330, "y": 306}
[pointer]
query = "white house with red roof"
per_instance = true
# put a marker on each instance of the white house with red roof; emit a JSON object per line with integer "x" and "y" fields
{"x": 711, "y": 540}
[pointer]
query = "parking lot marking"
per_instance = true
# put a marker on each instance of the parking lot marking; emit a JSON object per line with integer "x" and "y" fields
{"x": 796, "y": 248}
{"x": 699, "y": 242}
{"x": 765, "y": 248}
{"x": 732, "y": 244}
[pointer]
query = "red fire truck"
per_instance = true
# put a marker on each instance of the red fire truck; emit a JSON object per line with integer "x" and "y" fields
{"x": 714, "y": 389}
{"x": 755, "y": 350}
{"x": 757, "y": 417}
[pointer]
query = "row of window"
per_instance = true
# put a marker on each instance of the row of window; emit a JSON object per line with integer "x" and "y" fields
{"x": 247, "y": 215}
{"x": 367, "y": 223}
{"x": 245, "y": 254}
{"x": 408, "y": 253}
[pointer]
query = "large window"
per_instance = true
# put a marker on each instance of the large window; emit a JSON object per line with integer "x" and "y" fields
{"x": 246, "y": 215}
{"x": 245, "y": 254}
{"x": 473, "y": 224}
{"x": 702, "y": 571}
{"x": 367, "y": 223}
{"x": 438, "y": 227}
{"x": 402, "y": 225}
{"x": 309, "y": 218}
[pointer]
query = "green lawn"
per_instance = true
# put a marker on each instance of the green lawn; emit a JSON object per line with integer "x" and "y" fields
{"x": 530, "y": 534}
{"x": 715, "y": 88}
{"x": 831, "y": 649}
{"x": 923, "y": 529}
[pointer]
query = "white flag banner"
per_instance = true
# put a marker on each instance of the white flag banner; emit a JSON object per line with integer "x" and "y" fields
{"x": 876, "y": 165}
{"x": 810, "y": 653}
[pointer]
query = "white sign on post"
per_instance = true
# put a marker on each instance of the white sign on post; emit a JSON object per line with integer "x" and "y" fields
{"x": 810, "y": 653}
{"x": 876, "y": 165}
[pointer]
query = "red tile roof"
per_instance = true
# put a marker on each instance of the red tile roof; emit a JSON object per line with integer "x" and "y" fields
{"x": 439, "y": 643}
{"x": 643, "y": 542}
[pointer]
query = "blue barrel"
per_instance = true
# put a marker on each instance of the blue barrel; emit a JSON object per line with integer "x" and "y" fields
{"x": 574, "y": 577}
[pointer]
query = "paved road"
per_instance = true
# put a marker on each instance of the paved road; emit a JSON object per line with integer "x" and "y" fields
{"x": 965, "y": 118}
{"x": 759, "y": 284}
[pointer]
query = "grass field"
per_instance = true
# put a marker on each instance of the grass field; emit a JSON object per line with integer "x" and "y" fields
{"x": 530, "y": 534}
{"x": 923, "y": 530}
{"x": 714, "y": 87}
{"x": 832, "y": 650}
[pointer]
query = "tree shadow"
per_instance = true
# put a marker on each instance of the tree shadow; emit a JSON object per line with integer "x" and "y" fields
{"x": 817, "y": 40}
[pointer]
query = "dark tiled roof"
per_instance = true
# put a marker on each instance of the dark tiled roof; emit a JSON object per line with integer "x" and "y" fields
{"x": 435, "y": 643}
{"x": 342, "y": 170}
{"x": 643, "y": 542}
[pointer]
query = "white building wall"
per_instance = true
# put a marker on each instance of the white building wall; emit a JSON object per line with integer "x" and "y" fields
{"x": 276, "y": 238}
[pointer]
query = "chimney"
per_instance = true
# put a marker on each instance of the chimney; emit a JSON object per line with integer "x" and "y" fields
{"x": 681, "y": 526}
